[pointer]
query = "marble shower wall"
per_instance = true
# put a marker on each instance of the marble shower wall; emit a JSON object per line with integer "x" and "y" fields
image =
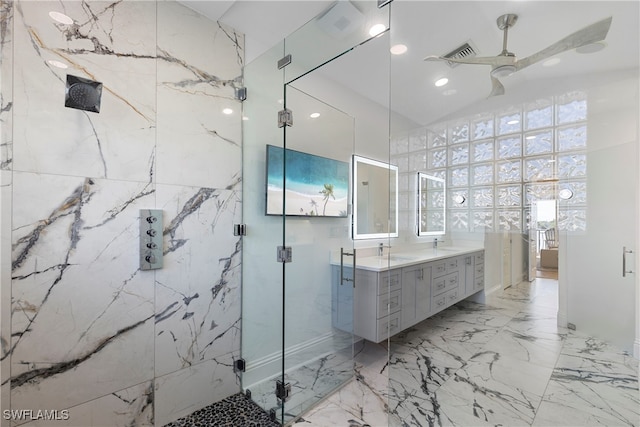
{"x": 83, "y": 328}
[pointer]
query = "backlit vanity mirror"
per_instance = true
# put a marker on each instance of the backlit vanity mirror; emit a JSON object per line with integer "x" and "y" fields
{"x": 375, "y": 199}
{"x": 431, "y": 205}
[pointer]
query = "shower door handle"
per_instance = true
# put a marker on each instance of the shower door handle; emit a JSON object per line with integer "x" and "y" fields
{"x": 342, "y": 278}
{"x": 625, "y": 251}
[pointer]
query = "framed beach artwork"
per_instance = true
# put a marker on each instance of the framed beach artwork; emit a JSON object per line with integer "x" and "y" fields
{"x": 314, "y": 185}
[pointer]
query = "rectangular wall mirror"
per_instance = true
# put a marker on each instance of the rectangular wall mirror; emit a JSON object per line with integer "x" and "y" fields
{"x": 375, "y": 199}
{"x": 431, "y": 205}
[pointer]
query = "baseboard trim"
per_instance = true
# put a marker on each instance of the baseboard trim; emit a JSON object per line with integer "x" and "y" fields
{"x": 270, "y": 366}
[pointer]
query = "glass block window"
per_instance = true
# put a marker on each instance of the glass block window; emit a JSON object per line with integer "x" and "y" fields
{"x": 482, "y": 151}
{"x": 572, "y": 138}
{"x": 509, "y": 220}
{"x": 459, "y": 177}
{"x": 572, "y": 219}
{"x": 482, "y": 174}
{"x": 459, "y": 154}
{"x": 579, "y": 190}
{"x": 509, "y": 123}
{"x": 509, "y": 147}
{"x": 509, "y": 171}
{"x": 572, "y": 166}
{"x": 535, "y": 192}
{"x": 509, "y": 195}
{"x": 460, "y": 220}
{"x": 482, "y": 197}
{"x": 437, "y": 159}
{"x": 402, "y": 161}
{"x": 459, "y": 132}
{"x": 482, "y": 127}
{"x": 403, "y": 182}
{"x": 403, "y": 200}
{"x": 399, "y": 145}
{"x": 437, "y": 137}
{"x": 538, "y": 143}
{"x": 458, "y": 195}
{"x": 418, "y": 161}
{"x": 571, "y": 108}
{"x": 482, "y": 220}
{"x": 538, "y": 114}
{"x": 538, "y": 168}
{"x": 418, "y": 140}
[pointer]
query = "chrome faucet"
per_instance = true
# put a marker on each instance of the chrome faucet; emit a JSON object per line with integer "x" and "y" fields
{"x": 380, "y": 249}
{"x": 435, "y": 243}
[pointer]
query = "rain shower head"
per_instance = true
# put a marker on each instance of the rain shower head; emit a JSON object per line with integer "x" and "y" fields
{"x": 83, "y": 94}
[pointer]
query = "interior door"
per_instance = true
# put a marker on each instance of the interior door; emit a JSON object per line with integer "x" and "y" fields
{"x": 601, "y": 297}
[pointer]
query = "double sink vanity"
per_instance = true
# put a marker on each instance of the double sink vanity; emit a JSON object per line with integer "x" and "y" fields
{"x": 392, "y": 292}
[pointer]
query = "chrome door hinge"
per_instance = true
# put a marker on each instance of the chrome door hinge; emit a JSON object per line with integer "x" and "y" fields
{"x": 284, "y": 253}
{"x": 239, "y": 229}
{"x": 286, "y": 60}
{"x": 285, "y": 118}
{"x": 239, "y": 365}
{"x": 283, "y": 391}
{"x": 241, "y": 93}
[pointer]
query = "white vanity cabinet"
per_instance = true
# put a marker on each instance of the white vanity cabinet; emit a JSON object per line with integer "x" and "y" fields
{"x": 377, "y": 300}
{"x": 416, "y": 294}
{"x": 387, "y": 299}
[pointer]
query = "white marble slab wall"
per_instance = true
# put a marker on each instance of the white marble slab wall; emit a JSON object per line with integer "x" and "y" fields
{"x": 90, "y": 332}
{"x": 6, "y": 156}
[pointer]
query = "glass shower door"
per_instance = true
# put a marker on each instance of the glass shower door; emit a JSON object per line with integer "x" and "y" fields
{"x": 318, "y": 310}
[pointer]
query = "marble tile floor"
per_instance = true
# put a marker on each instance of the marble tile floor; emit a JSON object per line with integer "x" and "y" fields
{"x": 504, "y": 362}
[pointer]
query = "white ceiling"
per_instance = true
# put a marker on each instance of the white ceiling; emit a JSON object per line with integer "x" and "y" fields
{"x": 437, "y": 27}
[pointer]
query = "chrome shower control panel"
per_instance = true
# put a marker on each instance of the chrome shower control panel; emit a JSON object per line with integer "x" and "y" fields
{"x": 150, "y": 239}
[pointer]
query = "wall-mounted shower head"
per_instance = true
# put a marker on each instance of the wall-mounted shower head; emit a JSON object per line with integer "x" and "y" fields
{"x": 83, "y": 94}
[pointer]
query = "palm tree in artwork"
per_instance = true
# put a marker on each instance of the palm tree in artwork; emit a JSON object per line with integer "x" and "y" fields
{"x": 327, "y": 193}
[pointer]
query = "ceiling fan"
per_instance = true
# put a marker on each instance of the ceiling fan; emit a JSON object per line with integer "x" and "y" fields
{"x": 505, "y": 63}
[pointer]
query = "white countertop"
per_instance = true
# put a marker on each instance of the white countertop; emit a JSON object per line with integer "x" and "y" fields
{"x": 402, "y": 259}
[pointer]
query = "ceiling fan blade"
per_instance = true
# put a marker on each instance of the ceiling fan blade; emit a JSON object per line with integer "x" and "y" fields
{"x": 591, "y": 34}
{"x": 489, "y": 60}
{"x": 497, "y": 89}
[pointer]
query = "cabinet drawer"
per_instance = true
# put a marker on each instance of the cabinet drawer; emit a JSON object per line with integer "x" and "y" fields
{"x": 478, "y": 283}
{"x": 479, "y": 270}
{"x": 480, "y": 259}
{"x": 444, "y": 283}
{"x": 388, "y": 326}
{"x": 445, "y": 299}
{"x": 452, "y": 264}
{"x": 389, "y": 281}
{"x": 439, "y": 268}
{"x": 393, "y": 301}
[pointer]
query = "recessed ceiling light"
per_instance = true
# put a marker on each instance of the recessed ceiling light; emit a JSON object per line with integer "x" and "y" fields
{"x": 314, "y": 115}
{"x": 227, "y": 111}
{"x": 441, "y": 82}
{"x": 591, "y": 47}
{"x": 60, "y": 17}
{"x": 377, "y": 29}
{"x": 57, "y": 64}
{"x": 551, "y": 62}
{"x": 398, "y": 49}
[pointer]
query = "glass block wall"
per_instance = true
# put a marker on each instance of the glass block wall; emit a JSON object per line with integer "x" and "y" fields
{"x": 497, "y": 163}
